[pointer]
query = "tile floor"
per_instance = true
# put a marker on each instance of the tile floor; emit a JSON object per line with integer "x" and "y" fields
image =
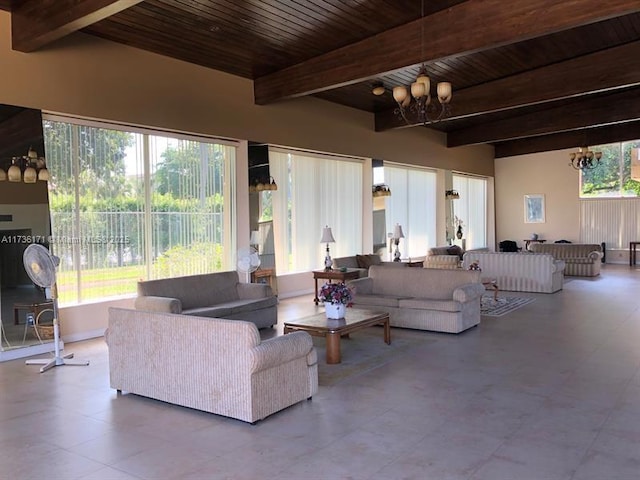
{"x": 548, "y": 392}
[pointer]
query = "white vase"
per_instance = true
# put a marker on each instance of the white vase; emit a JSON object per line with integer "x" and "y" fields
{"x": 335, "y": 310}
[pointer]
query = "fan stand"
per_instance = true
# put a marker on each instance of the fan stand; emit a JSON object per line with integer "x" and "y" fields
{"x": 57, "y": 360}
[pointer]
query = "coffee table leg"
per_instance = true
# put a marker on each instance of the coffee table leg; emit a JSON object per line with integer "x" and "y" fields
{"x": 387, "y": 332}
{"x": 333, "y": 348}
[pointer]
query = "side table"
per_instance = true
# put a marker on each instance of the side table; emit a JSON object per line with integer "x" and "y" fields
{"x": 632, "y": 253}
{"x": 266, "y": 275}
{"x": 350, "y": 274}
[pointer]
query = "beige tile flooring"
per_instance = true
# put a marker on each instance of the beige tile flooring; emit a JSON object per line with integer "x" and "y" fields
{"x": 550, "y": 391}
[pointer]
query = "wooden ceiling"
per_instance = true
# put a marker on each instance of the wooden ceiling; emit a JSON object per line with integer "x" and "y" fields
{"x": 527, "y": 75}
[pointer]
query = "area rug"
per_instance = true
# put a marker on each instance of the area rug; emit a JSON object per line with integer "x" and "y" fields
{"x": 365, "y": 350}
{"x": 503, "y": 305}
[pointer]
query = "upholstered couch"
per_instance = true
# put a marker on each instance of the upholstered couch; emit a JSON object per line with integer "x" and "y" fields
{"x": 447, "y": 257}
{"x": 217, "y": 294}
{"x": 210, "y": 364}
{"x": 363, "y": 262}
{"x": 519, "y": 272}
{"x": 581, "y": 259}
{"x": 422, "y": 298}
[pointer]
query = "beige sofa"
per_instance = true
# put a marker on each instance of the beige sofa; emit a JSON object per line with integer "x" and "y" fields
{"x": 210, "y": 364}
{"x": 362, "y": 263}
{"x": 447, "y": 257}
{"x": 422, "y": 298}
{"x": 581, "y": 259}
{"x": 519, "y": 272}
{"x": 217, "y": 294}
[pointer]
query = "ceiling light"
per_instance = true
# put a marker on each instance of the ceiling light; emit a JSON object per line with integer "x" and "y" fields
{"x": 422, "y": 107}
{"x": 27, "y": 169}
{"x": 381, "y": 190}
{"x": 584, "y": 159}
{"x": 378, "y": 89}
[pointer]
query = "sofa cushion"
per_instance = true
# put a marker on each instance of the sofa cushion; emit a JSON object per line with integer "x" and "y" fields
{"x": 365, "y": 261}
{"x": 378, "y": 300}
{"x": 455, "y": 250}
{"x": 427, "y": 304}
{"x": 223, "y": 310}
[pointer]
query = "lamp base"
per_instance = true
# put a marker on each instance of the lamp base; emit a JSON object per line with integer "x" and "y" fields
{"x": 328, "y": 264}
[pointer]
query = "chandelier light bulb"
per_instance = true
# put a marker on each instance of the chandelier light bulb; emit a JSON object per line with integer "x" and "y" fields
{"x": 417, "y": 89}
{"x": 399, "y": 94}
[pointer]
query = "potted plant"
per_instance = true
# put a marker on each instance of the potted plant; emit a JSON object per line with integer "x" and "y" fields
{"x": 336, "y": 297}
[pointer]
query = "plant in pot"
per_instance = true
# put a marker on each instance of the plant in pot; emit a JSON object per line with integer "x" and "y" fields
{"x": 336, "y": 297}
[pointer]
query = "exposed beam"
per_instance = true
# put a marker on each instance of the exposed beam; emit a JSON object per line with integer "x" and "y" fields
{"x": 472, "y": 26}
{"x": 577, "y": 138}
{"x": 19, "y": 132}
{"x": 604, "y": 70}
{"x": 36, "y": 23}
{"x": 586, "y": 111}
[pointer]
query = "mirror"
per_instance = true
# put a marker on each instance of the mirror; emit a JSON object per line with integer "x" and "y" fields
{"x": 25, "y": 315}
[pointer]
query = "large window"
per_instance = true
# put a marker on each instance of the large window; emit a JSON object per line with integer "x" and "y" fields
{"x": 618, "y": 174}
{"x": 314, "y": 191}
{"x": 129, "y": 205}
{"x": 470, "y": 210}
{"x": 412, "y": 205}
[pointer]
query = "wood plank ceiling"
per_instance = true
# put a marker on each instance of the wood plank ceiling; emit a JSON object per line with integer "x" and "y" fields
{"x": 527, "y": 75}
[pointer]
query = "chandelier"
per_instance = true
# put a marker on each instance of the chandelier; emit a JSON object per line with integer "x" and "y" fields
{"x": 381, "y": 190}
{"x": 419, "y": 104}
{"x": 27, "y": 169}
{"x": 262, "y": 184}
{"x": 584, "y": 159}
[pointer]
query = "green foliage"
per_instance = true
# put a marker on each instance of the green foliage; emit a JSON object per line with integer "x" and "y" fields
{"x": 613, "y": 176}
{"x": 180, "y": 260}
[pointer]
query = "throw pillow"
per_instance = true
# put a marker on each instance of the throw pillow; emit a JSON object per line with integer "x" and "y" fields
{"x": 455, "y": 250}
{"x": 365, "y": 261}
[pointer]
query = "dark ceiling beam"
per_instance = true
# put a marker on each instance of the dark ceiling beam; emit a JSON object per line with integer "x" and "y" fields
{"x": 19, "y": 132}
{"x": 472, "y": 26}
{"x": 584, "y": 112}
{"x": 613, "y": 68}
{"x": 577, "y": 138}
{"x": 36, "y": 23}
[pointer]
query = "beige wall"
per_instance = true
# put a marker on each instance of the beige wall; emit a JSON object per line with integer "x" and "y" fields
{"x": 94, "y": 78}
{"x": 548, "y": 173}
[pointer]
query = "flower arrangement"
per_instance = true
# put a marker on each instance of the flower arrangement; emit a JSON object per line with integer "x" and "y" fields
{"x": 336, "y": 293}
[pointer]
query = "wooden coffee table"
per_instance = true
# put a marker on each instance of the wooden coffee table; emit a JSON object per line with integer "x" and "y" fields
{"x": 355, "y": 319}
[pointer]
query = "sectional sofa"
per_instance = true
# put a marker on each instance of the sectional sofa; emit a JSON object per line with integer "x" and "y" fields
{"x": 581, "y": 259}
{"x": 219, "y": 294}
{"x": 422, "y": 298}
{"x": 211, "y": 364}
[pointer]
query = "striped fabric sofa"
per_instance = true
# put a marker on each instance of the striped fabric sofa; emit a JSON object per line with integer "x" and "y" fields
{"x": 519, "y": 272}
{"x": 210, "y": 364}
{"x": 581, "y": 259}
{"x": 422, "y": 298}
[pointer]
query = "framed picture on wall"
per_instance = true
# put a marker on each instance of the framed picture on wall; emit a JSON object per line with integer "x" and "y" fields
{"x": 534, "y": 208}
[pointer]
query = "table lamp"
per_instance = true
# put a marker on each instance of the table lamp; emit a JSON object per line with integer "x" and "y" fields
{"x": 397, "y": 235}
{"x": 327, "y": 237}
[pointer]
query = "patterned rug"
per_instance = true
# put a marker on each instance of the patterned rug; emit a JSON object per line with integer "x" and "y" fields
{"x": 365, "y": 350}
{"x": 496, "y": 308}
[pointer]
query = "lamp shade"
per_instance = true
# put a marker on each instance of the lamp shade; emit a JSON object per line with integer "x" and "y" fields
{"x": 14, "y": 173}
{"x": 30, "y": 175}
{"x": 255, "y": 238}
{"x": 3, "y": 175}
{"x": 397, "y": 231}
{"x": 327, "y": 236}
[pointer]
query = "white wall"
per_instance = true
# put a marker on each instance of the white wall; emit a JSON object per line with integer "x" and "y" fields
{"x": 545, "y": 173}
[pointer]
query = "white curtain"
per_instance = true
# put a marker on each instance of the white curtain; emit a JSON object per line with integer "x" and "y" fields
{"x": 471, "y": 208}
{"x": 412, "y": 204}
{"x": 321, "y": 190}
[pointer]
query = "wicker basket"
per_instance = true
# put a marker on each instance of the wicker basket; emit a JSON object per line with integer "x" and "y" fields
{"x": 45, "y": 332}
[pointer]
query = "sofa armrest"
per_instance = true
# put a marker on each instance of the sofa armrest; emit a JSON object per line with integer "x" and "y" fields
{"x": 468, "y": 292}
{"x": 158, "y": 304}
{"x": 363, "y": 285}
{"x": 279, "y": 350}
{"x": 595, "y": 256}
{"x": 252, "y": 291}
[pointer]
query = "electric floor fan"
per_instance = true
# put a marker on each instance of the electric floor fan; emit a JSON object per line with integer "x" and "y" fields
{"x": 41, "y": 265}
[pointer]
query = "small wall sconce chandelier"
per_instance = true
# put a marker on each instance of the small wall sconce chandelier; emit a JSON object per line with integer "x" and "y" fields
{"x": 381, "y": 190}
{"x": 451, "y": 195}
{"x": 27, "y": 169}
{"x": 260, "y": 185}
{"x": 585, "y": 159}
